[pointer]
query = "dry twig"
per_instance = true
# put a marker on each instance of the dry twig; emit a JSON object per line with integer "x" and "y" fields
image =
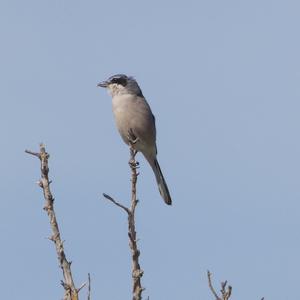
{"x": 137, "y": 272}
{"x": 71, "y": 292}
{"x": 225, "y": 291}
{"x": 89, "y": 287}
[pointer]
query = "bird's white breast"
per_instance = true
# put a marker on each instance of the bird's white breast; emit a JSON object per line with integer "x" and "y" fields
{"x": 124, "y": 113}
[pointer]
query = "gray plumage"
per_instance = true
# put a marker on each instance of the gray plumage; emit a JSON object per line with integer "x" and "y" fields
{"x": 133, "y": 113}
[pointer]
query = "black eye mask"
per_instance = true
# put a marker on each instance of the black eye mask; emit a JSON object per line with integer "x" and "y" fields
{"x": 122, "y": 81}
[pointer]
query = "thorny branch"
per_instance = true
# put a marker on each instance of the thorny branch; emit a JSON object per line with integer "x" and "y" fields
{"x": 71, "y": 292}
{"x": 137, "y": 272}
{"x": 225, "y": 291}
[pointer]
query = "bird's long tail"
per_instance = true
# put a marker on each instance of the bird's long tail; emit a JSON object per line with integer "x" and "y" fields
{"x": 162, "y": 185}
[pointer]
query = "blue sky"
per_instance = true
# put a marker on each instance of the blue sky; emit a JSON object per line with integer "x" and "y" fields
{"x": 222, "y": 78}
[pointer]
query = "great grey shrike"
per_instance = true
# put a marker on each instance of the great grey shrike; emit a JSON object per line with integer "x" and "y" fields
{"x": 133, "y": 115}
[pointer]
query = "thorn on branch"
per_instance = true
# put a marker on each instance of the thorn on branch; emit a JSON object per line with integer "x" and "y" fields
{"x": 51, "y": 238}
{"x": 40, "y": 183}
{"x": 63, "y": 284}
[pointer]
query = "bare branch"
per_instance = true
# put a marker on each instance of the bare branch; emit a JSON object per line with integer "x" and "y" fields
{"x": 115, "y": 202}
{"x": 33, "y": 153}
{"x": 137, "y": 272}
{"x": 82, "y": 286}
{"x": 71, "y": 293}
{"x": 89, "y": 287}
{"x": 226, "y": 292}
{"x": 211, "y": 286}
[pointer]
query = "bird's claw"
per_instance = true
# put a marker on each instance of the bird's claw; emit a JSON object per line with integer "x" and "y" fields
{"x": 133, "y": 164}
{"x": 131, "y": 137}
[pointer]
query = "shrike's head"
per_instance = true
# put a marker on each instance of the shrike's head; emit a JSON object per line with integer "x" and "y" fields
{"x": 121, "y": 84}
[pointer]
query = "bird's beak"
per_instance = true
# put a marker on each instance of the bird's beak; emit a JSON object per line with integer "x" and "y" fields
{"x": 103, "y": 84}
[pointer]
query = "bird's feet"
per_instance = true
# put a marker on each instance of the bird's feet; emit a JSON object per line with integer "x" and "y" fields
{"x": 133, "y": 163}
{"x": 132, "y": 139}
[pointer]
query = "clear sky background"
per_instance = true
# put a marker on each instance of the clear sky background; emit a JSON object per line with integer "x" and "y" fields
{"x": 222, "y": 78}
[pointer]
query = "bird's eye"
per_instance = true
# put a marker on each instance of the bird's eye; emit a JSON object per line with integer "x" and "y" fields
{"x": 121, "y": 81}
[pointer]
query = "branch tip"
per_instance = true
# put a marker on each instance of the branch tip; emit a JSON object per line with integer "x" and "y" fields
{"x": 226, "y": 293}
{"x": 89, "y": 287}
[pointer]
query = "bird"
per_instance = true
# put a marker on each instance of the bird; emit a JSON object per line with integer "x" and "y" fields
{"x": 133, "y": 117}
